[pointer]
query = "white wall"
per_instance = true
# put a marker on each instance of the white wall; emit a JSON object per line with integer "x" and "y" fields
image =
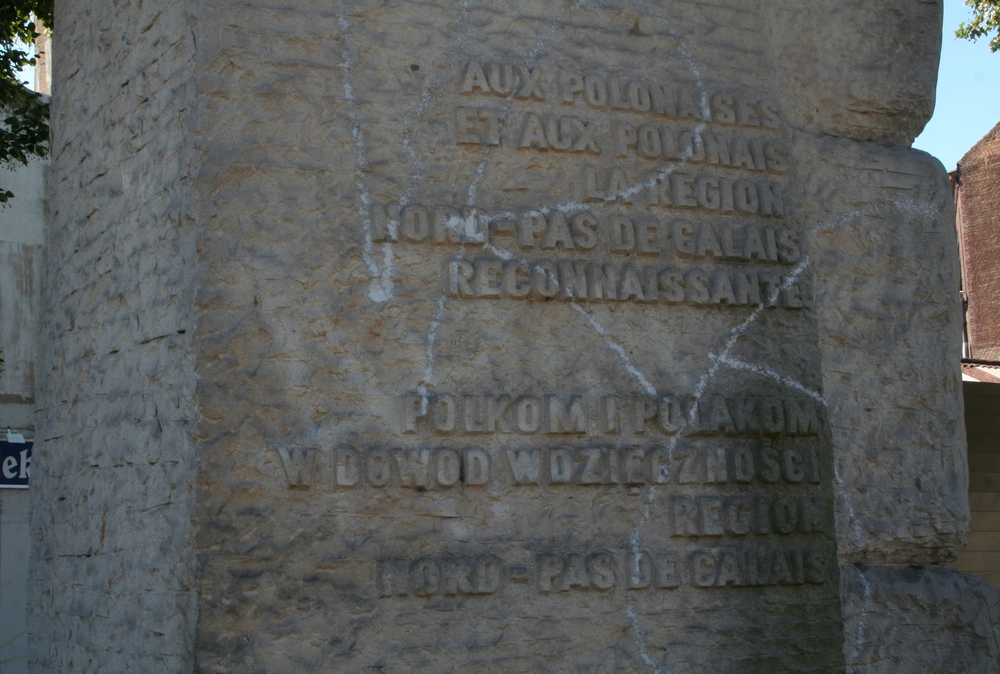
{"x": 22, "y": 247}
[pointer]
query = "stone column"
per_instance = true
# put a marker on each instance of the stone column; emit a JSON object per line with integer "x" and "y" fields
{"x": 507, "y": 336}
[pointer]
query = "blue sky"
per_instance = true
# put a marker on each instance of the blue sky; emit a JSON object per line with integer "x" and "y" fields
{"x": 968, "y": 92}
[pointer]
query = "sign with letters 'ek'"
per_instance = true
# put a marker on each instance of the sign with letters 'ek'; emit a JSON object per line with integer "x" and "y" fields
{"x": 15, "y": 464}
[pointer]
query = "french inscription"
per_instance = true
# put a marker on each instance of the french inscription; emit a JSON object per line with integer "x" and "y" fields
{"x": 653, "y": 142}
{"x": 629, "y": 93}
{"x": 583, "y": 231}
{"x": 742, "y": 143}
{"x": 602, "y": 571}
{"x": 491, "y": 278}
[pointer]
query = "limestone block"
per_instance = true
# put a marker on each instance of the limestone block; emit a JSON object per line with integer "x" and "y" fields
{"x": 890, "y": 325}
{"x": 918, "y": 619}
{"x": 860, "y": 70}
{"x": 112, "y": 584}
{"x": 508, "y": 336}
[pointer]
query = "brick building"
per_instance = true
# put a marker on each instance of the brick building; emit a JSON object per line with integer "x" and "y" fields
{"x": 976, "y": 184}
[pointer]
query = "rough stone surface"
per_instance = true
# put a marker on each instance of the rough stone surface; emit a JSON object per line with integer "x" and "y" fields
{"x": 860, "y": 70}
{"x": 20, "y": 278}
{"x": 887, "y": 280}
{"x": 112, "y": 586}
{"x": 918, "y": 619}
{"x": 530, "y": 336}
{"x": 317, "y": 359}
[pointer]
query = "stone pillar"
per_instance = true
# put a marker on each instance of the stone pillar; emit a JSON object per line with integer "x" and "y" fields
{"x": 113, "y": 584}
{"x": 500, "y": 336}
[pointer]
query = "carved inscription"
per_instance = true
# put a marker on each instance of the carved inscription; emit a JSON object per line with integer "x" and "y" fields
{"x": 604, "y": 570}
{"x": 639, "y": 419}
{"x": 585, "y": 232}
{"x": 595, "y": 282}
{"x": 589, "y": 93}
{"x": 519, "y": 466}
{"x": 630, "y": 94}
{"x": 444, "y": 468}
{"x": 562, "y": 133}
{"x": 655, "y": 194}
{"x": 554, "y": 414}
{"x": 720, "y": 156}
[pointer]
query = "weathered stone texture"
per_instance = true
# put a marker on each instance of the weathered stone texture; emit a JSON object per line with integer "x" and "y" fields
{"x": 702, "y": 344}
{"x": 860, "y": 70}
{"x": 918, "y": 619}
{"x": 271, "y": 373}
{"x": 887, "y": 276}
{"x": 21, "y": 266}
{"x": 112, "y": 584}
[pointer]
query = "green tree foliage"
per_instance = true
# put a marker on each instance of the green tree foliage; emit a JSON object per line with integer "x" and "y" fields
{"x": 25, "y": 129}
{"x": 985, "y": 21}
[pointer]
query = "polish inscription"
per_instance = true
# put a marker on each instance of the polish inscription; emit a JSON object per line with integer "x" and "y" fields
{"x": 444, "y": 468}
{"x": 668, "y": 175}
{"x": 738, "y": 474}
{"x": 597, "y": 415}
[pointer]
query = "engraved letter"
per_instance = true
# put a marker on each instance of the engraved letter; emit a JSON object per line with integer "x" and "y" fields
{"x": 570, "y": 85}
{"x": 703, "y": 570}
{"x": 572, "y": 419}
{"x": 639, "y": 568}
{"x": 426, "y": 576}
{"x": 449, "y": 467}
{"x": 413, "y": 409}
{"x": 477, "y": 467}
{"x": 793, "y": 466}
{"x": 685, "y": 513}
{"x": 347, "y": 471}
{"x": 595, "y": 92}
{"x": 299, "y": 463}
{"x": 601, "y": 567}
{"x": 413, "y": 467}
{"x": 666, "y": 570}
{"x": 560, "y": 466}
{"x": 531, "y": 86}
{"x": 525, "y": 465}
{"x": 550, "y": 567}
{"x": 475, "y": 79}
{"x": 378, "y": 467}
{"x": 532, "y": 133}
{"x": 443, "y": 414}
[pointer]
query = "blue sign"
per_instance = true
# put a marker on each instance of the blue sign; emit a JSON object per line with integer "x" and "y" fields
{"x": 15, "y": 464}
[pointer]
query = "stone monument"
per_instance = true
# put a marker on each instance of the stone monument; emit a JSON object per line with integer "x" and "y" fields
{"x": 500, "y": 337}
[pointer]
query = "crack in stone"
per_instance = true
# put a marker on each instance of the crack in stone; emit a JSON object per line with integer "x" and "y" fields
{"x": 417, "y": 166}
{"x": 382, "y": 284}
{"x": 381, "y": 287}
{"x": 617, "y": 348}
{"x": 454, "y": 222}
{"x": 640, "y": 637}
{"x": 767, "y": 373}
{"x": 866, "y": 592}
